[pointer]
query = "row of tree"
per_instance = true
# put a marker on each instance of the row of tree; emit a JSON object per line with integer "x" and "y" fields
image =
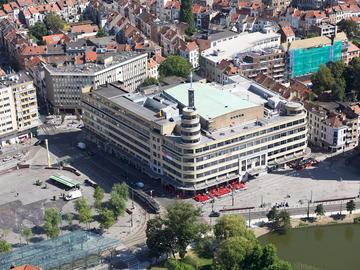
{"x": 339, "y": 79}
{"x": 320, "y": 210}
{"x": 231, "y": 247}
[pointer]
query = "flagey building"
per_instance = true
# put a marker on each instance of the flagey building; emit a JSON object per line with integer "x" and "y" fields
{"x": 65, "y": 83}
{"x": 18, "y": 108}
{"x": 195, "y": 136}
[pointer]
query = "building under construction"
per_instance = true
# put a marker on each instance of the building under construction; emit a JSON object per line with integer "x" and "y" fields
{"x": 307, "y": 55}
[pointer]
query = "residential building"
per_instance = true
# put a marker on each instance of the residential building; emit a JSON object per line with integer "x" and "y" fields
{"x": 18, "y": 108}
{"x": 305, "y": 56}
{"x": 65, "y": 83}
{"x": 332, "y": 126}
{"x": 196, "y": 136}
{"x": 287, "y": 34}
{"x": 353, "y": 51}
{"x": 324, "y": 29}
{"x": 270, "y": 62}
{"x": 229, "y": 49}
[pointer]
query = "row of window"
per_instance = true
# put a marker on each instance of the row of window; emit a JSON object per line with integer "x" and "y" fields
{"x": 246, "y": 137}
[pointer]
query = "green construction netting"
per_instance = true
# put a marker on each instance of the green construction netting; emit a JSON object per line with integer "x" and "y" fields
{"x": 305, "y": 61}
{"x": 68, "y": 251}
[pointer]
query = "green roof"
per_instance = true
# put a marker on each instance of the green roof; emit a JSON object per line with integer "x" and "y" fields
{"x": 64, "y": 180}
{"x": 210, "y": 102}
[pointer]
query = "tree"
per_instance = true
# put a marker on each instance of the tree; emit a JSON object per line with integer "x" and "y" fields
{"x": 121, "y": 189}
{"x": 99, "y": 194}
{"x": 38, "y": 31}
{"x": 69, "y": 218}
{"x": 26, "y": 233}
{"x": 204, "y": 247}
{"x": 319, "y": 210}
{"x": 54, "y": 22}
{"x": 159, "y": 239}
{"x": 352, "y": 75}
{"x": 337, "y": 69}
{"x": 117, "y": 204}
{"x": 350, "y": 28}
{"x": 173, "y": 264}
{"x": 4, "y": 246}
{"x": 311, "y": 35}
{"x": 175, "y": 65}
{"x": 282, "y": 222}
{"x": 187, "y": 16}
{"x": 84, "y": 211}
{"x": 52, "y": 220}
{"x": 323, "y": 80}
{"x": 350, "y": 206}
{"x": 232, "y": 253}
{"x": 232, "y": 226}
{"x": 150, "y": 81}
{"x": 273, "y": 213}
{"x": 175, "y": 231}
{"x": 338, "y": 89}
{"x": 101, "y": 32}
{"x": 181, "y": 218}
{"x": 106, "y": 218}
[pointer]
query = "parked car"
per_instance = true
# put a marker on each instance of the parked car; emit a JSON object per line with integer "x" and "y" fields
{"x": 214, "y": 214}
{"x": 90, "y": 183}
{"x": 39, "y": 142}
{"x": 72, "y": 195}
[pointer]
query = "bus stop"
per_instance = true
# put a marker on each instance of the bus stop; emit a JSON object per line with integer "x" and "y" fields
{"x": 65, "y": 181}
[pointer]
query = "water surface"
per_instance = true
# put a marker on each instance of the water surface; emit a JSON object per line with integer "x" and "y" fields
{"x": 332, "y": 247}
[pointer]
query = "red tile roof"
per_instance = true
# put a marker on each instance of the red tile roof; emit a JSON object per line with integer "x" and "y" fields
{"x": 90, "y": 56}
{"x": 7, "y": 8}
{"x": 84, "y": 28}
{"x": 53, "y": 39}
{"x": 352, "y": 47}
{"x": 287, "y": 30}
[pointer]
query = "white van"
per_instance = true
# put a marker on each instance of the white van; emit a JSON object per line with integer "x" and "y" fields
{"x": 74, "y": 194}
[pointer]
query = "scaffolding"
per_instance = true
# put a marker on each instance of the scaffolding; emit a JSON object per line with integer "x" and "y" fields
{"x": 78, "y": 249}
{"x": 308, "y": 60}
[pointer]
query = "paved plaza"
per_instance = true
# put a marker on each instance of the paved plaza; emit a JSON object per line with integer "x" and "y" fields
{"x": 333, "y": 178}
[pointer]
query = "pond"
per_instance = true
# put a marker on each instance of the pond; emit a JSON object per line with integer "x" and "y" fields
{"x": 331, "y": 247}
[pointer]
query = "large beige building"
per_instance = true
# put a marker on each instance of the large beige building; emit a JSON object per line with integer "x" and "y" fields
{"x": 65, "y": 84}
{"x": 18, "y": 108}
{"x": 230, "y": 132}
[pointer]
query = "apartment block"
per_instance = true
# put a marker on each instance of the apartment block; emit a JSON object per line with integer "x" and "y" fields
{"x": 66, "y": 83}
{"x": 18, "y": 108}
{"x": 333, "y": 126}
{"x": 233, "y": 47}
{"x": 195, "y": 135}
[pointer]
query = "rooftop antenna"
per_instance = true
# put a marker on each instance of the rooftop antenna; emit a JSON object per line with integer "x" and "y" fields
{"x": 191, "y": 93}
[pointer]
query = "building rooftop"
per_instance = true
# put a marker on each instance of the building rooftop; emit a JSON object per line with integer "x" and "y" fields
{"x": 14, "y": 78}
{"x": 210, "y": 102}
{"x": 90, "y": 68}
{"x": 313, "y": 42}
{"x": 146, "y": 107}
{"x": 240, "y": 43}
